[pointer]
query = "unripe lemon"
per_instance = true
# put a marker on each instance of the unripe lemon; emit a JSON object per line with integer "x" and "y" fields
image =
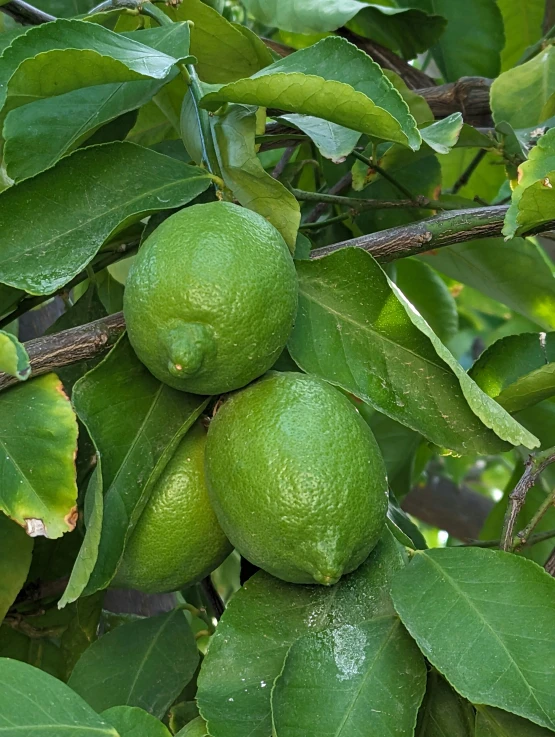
{"x": 296, "y": 478}
{"x": 211, "y": 298}
{"x": 177, "y": 540}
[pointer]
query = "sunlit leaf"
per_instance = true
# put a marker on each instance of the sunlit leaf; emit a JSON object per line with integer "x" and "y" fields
{"x": 332, "y": 80}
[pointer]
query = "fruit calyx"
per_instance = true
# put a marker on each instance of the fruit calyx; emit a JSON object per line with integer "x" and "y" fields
{"x": 189, "y": 344}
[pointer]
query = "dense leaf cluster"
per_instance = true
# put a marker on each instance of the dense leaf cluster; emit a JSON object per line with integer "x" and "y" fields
{"x": 344, "y": 124}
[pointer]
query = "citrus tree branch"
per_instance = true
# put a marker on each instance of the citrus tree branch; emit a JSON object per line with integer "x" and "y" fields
{"x": 26, "y": 14}
{"x": 533, "y": 468}
{"x": 52, "y": 352}
{"x": 439, "y": 231}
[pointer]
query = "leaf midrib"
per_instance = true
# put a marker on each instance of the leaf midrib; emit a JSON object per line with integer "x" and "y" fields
{"x": 368, "y": 329}
{"x": 148, "y": 651}
{"x": 488, "y": 626}
{"x": 83, "y": 225}
{"x": 395, "y": 624}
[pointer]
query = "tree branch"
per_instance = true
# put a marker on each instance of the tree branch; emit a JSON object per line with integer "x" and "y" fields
{"x": 359, "y": 203}
{"x": 468, "y": 95}
{"x": 53, "y": 352}
{"x": 26, "y": 14}
{"x": 439, "y": 231}
{"x": 534, "y": 467}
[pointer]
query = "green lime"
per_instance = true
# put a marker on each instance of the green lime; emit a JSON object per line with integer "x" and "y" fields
{"x": 177, "y": 539}
{"x": 296, "y": 478}
{"x": 211, "y": 298}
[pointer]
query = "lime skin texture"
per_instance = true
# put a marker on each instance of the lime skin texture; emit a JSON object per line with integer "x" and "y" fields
{"x": 177, "y": 540}
{"x": 211, "y": 298}
{"x": 296, "y": 478}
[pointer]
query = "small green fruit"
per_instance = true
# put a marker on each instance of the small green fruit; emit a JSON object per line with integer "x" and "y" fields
{"x": 296, "y": 478}
{"x": 177, "y": 539}
{"x": 211, "y": 298}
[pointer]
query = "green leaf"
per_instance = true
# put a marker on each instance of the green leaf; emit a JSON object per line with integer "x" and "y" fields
{"x": 136, "y": 423}
{"x": 88, "y": 554}
{"x": 196, "y": 728}
{"x": 332, "y": 80}
{"x": 442, "y": 135}
{"x": 357, "y": 331}
{"x": 540, "y": 419}
{"x": 521, "y": 95}
{"x": 444, "y": 713}
{"x": 495, "y": 267}
{"x": 16, "y": 549}
{"x": 131, "y": 721}
{"x": 38, "y": 441}
{"x": 37, "y": 136}
{"x": 536, "y": 206}
{"x": 65, "y": 8}
{"x": 403, "y": 527}
{"x": 480, "y": 23}
{"x": 145, "y": 663}
{"x": 13, "y": 357}
{"x": 34, "y": 702}
{"x": 518, "y": 370}
{"x": 486, "y": 623}
{"x": 53, "y": 225}
{"x": 263, "y": 619}
{"x": 82, "y": 629}
{"x": 522, "y": 20}
{"x": 8, "y": 298}
{"x": 83, "y": 54}
{"x": 110, "y": 292}
{"x": 533, "y": 199}
{"x": 496, "y": 723}
{"x": 225, "y": 51}
{"x": 398, "y": 445}
{"x": 333, "y": 141}
{"x": 367, "y": 679}
{"x": 429, "y": 294}
{"x": 235, "y": 132}
{"x": 407, "y": 30}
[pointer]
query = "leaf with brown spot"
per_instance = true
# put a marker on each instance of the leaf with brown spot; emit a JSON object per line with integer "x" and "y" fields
{"x": 38, "y": 439}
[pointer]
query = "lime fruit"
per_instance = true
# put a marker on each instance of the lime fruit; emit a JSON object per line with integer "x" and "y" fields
{"x": 296, "y": 478}
{"x": 211, "y": 298}
{"x": 177, "y": 539}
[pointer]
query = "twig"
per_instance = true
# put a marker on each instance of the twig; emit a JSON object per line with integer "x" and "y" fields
{"x": 52, "y": 352}
{"x": 359, "y": 203}
{"x": 550, "y": 564}
{"x": 330, "y": 221}
{"x": 26, "y": 14}
{"x": 469, "y": 171}
{"x": 548, "y": 502}
{"x": 533, "y": 468}
{"x": 282, "y": 163}
{"x": 435, "y": 232}
{"x": 340, "y": 186}
{"x": 539, "y": 537}
{"x": 384, "y": 173}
